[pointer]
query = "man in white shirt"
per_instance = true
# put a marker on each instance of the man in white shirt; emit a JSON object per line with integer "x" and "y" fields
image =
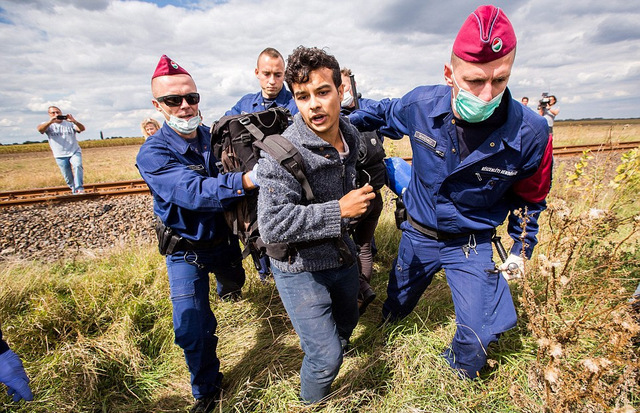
{"x": 61, "y": 131}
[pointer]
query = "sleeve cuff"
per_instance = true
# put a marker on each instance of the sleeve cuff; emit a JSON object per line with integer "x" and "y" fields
{"x": 333, "y": 221}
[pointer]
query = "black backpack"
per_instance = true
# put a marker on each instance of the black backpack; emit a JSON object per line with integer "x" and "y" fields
{"x": 236, "y": 141}
{"x": 370, "y": 165}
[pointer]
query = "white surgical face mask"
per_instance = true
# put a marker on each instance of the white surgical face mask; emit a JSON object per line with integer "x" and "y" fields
{"x": 347, "y": 100}
{"x": 183, "y": 126}
{"x": 471, "y": 108}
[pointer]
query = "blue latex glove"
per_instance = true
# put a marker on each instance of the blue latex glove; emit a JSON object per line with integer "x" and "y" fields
{"x": 253, "y": 175}
{"x": 13, "y": 375}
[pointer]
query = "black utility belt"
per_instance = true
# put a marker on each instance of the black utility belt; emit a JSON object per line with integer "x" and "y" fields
{"x": 434, "y": 233}
{"x": 187, "y": 245}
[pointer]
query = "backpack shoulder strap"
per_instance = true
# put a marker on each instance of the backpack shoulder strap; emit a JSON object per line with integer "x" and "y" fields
{"x": 288, "y": 156}
{"x": 253, "y": 129}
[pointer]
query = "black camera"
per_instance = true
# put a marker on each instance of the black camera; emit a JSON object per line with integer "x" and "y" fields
{"x": 544, "y": 102}
{"x": 62, "y": 117}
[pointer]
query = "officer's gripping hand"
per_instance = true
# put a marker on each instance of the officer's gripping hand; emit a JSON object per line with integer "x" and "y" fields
{"x": 512, "y": 268}
{"x": 13, "y": 375}
{"x": 253, "y": 175}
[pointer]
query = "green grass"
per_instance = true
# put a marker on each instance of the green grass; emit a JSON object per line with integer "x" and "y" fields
{"x": 96, "y": 335}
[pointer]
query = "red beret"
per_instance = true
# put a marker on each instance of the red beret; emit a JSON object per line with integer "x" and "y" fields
{"x": 167, "y": 67}
{"x": 485, "y": 36}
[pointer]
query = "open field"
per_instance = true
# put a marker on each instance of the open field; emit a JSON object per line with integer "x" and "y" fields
{"x": 95, "y": 332}
{"x": 39, "y": 169}
{"x": 33, "y": 166}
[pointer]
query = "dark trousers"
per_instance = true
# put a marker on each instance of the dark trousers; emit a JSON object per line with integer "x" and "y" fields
{"x": 482, "y": 300}
{"x": 193, "y": 321}
{"x": 363, "y": 232}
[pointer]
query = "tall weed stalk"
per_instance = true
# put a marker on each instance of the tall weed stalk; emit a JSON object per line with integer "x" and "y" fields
{"x": 575, "y": 299}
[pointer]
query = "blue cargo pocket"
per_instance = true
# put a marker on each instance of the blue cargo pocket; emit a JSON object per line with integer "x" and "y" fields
{"x": 182, "y": 288}
{"x": 499, "y": 309}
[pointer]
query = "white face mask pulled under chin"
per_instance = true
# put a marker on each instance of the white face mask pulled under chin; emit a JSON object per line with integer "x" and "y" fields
{"x": 347, "y": 100}
{"x": 183, "y": 126}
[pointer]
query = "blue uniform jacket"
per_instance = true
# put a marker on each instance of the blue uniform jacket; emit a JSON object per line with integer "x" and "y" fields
{"x": 188, "y": 195}
{"x": 505, "y": 173}
{"x": 254, "y": 102}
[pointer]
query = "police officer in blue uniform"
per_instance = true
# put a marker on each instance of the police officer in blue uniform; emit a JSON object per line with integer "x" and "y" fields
{"x": 478, "y": 156}
{"x": 270, "y": 73}
{"x": 189, "y": 198}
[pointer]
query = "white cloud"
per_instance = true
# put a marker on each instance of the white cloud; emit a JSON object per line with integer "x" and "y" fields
{"x": 94, "y": 58}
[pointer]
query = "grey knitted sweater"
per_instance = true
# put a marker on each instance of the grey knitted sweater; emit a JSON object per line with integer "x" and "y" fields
{"x": 284, "y": 215}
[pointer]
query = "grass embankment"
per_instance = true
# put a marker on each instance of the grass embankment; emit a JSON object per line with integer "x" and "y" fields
{"x": 96, "y": 335}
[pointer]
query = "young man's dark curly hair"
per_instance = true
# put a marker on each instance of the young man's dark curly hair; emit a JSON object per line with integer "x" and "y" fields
{"x": 304, "y": 60}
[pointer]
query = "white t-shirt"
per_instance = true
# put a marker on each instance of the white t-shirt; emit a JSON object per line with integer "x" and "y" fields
{"x": 550, "y": 117}
{"x": 62, "y": 139}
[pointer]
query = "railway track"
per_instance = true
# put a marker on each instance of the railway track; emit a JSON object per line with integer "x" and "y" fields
{"x": 138, "y": 186}
{"x": 602, "y": 147}
{"x": 62, "y": 193}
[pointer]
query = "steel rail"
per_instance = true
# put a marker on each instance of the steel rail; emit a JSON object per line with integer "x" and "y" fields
{"x": 62, "y": 193}
{"x": 138, "y": 186}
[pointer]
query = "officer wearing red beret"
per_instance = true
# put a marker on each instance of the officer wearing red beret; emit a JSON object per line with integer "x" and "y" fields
{"x": 189, "y": 197}
{"x": 478, "y": 156}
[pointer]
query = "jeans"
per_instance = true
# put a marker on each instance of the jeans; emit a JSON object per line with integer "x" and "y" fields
{"x": 72, "y": 171}
{"x": 193, "y": 321}
{"x": 482, "y": 300}
{"x": 323, "y": 309}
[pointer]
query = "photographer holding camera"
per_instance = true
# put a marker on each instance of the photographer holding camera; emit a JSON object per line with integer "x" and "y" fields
{"x": 61, "y": 133}
{"x": 547, "y": 111}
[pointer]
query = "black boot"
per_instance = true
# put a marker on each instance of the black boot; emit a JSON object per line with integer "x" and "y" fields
{"x": 206, "y": 404}
{"x": 365, "y": 298}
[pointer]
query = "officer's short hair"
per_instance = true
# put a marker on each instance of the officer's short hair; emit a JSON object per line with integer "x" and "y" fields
{"x": 271, "y": 52}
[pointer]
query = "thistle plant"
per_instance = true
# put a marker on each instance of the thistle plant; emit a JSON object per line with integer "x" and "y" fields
{"x": 575, "y": 298}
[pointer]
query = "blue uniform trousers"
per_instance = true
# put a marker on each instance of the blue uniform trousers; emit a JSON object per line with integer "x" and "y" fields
{"x": 482, "y": 300}
{"x": 193, "y": 321}
{"x": 323, "y": 309}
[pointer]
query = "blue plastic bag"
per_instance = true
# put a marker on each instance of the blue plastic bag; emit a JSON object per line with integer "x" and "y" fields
{"x": 399, "y": 172}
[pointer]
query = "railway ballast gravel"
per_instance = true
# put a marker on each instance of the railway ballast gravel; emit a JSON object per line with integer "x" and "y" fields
{"x": 50, "y": 232}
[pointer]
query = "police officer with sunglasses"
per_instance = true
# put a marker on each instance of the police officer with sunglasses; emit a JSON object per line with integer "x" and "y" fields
{"x": 189, "y": 199}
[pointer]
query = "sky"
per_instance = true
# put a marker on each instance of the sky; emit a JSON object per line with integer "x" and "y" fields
{"x": 94, "y": 58}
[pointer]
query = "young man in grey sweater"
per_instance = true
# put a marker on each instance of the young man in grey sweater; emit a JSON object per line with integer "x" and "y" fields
{"x": 318, "y": 278}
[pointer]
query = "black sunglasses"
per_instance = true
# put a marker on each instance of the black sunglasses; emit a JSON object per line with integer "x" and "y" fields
{"x": 176, "y": 100}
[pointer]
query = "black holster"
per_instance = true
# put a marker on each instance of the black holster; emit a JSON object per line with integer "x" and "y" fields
{"x": 167, "y": 239}
{"x": 400, "y": 213}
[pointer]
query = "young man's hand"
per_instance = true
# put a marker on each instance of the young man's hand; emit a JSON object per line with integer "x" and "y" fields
{"x": 356, "y": 202}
